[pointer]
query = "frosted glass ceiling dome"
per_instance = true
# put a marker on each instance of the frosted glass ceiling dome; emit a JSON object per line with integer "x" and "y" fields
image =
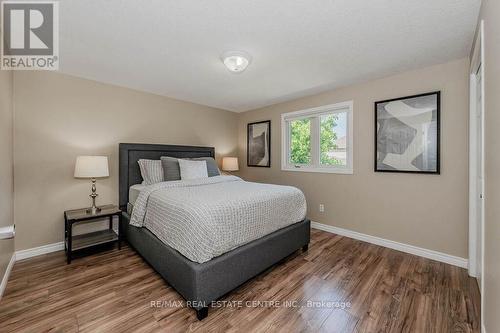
{"x": 236, "y": 61}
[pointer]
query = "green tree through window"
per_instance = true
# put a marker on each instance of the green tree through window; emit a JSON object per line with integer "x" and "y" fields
{"x": 328, "y": 138}
{"x": 300, "y": 134}
{"x": 300, "y": 140}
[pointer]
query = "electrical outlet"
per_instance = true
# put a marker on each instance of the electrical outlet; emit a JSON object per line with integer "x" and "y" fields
{"x": 321, "y": 208}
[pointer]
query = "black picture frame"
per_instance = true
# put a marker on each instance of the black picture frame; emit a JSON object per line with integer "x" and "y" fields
{"x": 267, "y": 145}
{"x": 437, "y": 169}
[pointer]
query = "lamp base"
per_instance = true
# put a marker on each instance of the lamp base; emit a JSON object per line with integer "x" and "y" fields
{"x": 93, "y": 210}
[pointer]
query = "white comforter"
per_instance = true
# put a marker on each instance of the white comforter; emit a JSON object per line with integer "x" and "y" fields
{"x": 204, "y": 218}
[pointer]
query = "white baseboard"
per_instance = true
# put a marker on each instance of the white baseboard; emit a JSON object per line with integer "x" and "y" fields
{"x": 5, "y": 278}
{"x": 25, "y": 254}
{"x": 37, "y": 251}
{"x": 418, "y": 251}
{"x": 430, "y": 254}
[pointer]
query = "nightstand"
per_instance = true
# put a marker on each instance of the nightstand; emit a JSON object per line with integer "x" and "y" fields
{"x": 89, "y": 240}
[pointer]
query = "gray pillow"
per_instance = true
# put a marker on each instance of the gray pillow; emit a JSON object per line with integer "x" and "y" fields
{"x": 212, "y": 168}
{"x": 172, "y": 171}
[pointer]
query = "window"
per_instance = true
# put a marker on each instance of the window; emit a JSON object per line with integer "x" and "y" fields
{"x": 318, "y": 140}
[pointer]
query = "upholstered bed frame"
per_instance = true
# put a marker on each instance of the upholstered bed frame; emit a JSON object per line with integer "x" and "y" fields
{"x": 200, "y": 284}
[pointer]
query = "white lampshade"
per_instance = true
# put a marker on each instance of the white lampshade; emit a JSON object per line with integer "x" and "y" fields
{"x": 230, "y": 164}
{"x": 91, "y": 167}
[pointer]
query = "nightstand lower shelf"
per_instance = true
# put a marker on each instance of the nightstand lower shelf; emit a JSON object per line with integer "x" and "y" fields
{"x": 94, "y": 238}
{"x": 88, "y": 240}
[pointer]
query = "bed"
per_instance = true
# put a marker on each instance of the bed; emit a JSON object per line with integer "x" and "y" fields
{"x": 200, "y": 280}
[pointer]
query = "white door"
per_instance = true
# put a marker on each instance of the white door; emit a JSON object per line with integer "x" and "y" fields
{"x": 480, "y": 174}
{"x": 476, "y": 160}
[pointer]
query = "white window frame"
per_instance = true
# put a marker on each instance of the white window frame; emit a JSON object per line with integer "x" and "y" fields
{"x": 315, "y": 136}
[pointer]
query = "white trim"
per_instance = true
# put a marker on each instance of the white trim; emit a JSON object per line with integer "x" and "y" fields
{"x": 411, "y": 249}
{"x": 5, "y": 278}
{"x": 345, "y": 171}
{"x": 477, "y": 64}
{"x": 315, "y": 112}
{"x": 37, "y": 251}
{"x": 472, "y": 178}
{"x": 483, "y": 107}
{"x": 337, "y": 107}
{"x": 475, "y": 231}
{"x": 25, "y": 254}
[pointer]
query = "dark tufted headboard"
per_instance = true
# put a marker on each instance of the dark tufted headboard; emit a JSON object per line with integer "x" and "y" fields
{"x": 130, "y": 153}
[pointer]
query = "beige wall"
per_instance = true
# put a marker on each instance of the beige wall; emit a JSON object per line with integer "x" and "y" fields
{"x": 490, "y": 12}
{"x": 58, "y": 117}
{"x": 6, "y": 172}
{"x": 428, "y": 211}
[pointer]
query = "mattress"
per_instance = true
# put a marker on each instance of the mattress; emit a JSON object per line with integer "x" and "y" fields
{"x": 133, "y": 192}
{"x": 205, "y": 218}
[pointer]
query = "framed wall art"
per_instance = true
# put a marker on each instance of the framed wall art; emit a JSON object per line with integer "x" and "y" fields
{"x": 259, "y": 144}
{"x": 407, "y": 134}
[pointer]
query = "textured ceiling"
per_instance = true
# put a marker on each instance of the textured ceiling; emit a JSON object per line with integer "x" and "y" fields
{"x": 173, "y": 47}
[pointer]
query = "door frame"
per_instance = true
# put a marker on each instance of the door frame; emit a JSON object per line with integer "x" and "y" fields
{"x": 477, "y": 65}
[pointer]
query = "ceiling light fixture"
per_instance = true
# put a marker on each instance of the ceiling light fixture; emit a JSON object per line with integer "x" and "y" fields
{"x": 236, "y": 61}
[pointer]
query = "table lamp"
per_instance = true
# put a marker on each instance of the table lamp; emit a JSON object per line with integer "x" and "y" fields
{"x": 230, "y": 164}
{"x": 92, "y": 167}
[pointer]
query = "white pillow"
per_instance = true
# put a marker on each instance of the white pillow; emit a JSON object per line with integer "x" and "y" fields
{"x": 151, "y": 171}
{"x": 193, "y": 169}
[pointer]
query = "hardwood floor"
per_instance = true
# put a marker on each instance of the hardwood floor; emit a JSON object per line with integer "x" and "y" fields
{"x": 370, "y": 289}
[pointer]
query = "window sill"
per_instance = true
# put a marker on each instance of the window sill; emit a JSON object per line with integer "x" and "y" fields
{"x": 343, "y": 171}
